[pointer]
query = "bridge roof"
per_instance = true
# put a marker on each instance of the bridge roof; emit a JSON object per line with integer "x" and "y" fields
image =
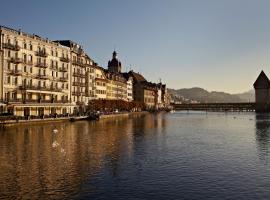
{"x": 262, "y": 81}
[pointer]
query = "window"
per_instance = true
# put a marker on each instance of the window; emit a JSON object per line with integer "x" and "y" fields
{"x": 30, "y": 58}
{"x": 24, "y": 69}
{"x": 24, "y": 45}
{"x": 13, "y": 95}
{"x": 30, "y": 47}
{"x": 24, "y": 58}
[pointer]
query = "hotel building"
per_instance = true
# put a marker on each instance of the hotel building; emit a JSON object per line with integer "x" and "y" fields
{"x": 34, "y": 74}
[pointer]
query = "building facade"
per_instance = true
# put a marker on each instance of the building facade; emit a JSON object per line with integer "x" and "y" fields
{"x": 100, "y": 83}
{"x": 39, "y": 77}
{"x": 35, "y": 78}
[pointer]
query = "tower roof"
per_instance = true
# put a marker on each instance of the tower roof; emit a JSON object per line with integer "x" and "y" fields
{"x": 262, "y": 82}
{"x": 114, "y": 65}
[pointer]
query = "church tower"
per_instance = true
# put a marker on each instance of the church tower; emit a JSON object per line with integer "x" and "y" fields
{"x": 114, "y": 65}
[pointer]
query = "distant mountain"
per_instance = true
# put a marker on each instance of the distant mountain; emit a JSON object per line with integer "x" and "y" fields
{"x": 248, "y": 96}
{"x": 196, "y": 94}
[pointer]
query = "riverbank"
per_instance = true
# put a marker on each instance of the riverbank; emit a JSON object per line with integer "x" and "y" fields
{"x": 19, "y": 121}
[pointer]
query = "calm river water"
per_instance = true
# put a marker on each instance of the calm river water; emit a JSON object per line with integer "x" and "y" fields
{"x": 194, "y": 155}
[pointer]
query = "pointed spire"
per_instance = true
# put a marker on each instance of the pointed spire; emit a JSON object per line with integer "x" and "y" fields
{"x": 262, "y": 82}
{"x": 114, "y": 54}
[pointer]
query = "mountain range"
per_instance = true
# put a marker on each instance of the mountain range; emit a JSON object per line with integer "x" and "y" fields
{"x": 200, "y": 95}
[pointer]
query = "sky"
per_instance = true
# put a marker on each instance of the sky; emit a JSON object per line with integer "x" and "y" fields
{"x": 219, "y": 45}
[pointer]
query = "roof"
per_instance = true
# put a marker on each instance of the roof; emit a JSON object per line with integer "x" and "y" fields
{"x": 67, "y": 43}
{"x": 137, "y": 77}
{"x": 262, "y": 82}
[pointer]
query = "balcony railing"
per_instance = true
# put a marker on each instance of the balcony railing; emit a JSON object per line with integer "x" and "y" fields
{"x": 15, "y": 60}
{"x": 41, "y": 64}
{"x": 78, "y": 84}
{"x": 63, "y": 59}
{"x": 41, "y": 54}
{"x": 75, "y": 62}
{"x": 44, "y": 88}
{"x": 42, "y": 76}
{"x": 54, "y": 67}
{"x": 63, "y": 69}
{"x": 27, "y": 62}
{"x": 13, "y": 47}
{"x": 63, "y": 79}
{"x": 34, "y": 101}
{"x": 15, "y": 72}
{"x": 78, "y": 93}
{"x": 55, "y": 89}
{"x": 78, "y": 74}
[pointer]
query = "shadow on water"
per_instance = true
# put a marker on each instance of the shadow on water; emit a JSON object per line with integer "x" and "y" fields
{"x": 263, "y": 136}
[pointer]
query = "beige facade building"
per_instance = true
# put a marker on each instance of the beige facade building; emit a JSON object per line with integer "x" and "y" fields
{"x": 116, "y": 86}
{"x": 100, "y": 83}
{"x": 82, "y": 73}
{"x": 35, "y": 76}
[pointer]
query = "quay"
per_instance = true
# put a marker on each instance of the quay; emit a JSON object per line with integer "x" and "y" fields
{"x": 218, "y": 107}
{"x": 15, "y": 120}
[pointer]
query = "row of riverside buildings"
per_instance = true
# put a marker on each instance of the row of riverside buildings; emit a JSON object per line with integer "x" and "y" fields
{"x": 42, "y": 77}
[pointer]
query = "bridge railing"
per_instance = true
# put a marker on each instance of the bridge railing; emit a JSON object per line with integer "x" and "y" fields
{"x": 216, "y": 106}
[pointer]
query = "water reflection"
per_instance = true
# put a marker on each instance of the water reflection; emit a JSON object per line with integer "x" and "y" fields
{"x": 263, "y": 136}
{"x": 38, "y": 162}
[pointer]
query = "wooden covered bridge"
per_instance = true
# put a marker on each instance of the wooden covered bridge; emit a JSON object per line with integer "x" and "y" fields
{"x": 223, "y": 107}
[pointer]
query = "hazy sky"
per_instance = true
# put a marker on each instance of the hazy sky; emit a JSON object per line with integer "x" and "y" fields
{"x": 216, "y": 44}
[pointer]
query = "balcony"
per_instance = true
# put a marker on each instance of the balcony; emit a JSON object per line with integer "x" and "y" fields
{"x": 55, "y": 89}
{"x": 41, "y": 54}
{"x": 27, "y": 62}
{"x": 13, "y": 47}
{"x": 42, "y": 76}
{"x": 63, "y": 59}
{"x": 42, "y": 65}
{"x": 63, "y": 69}
{"x": 76, "y": 84}
{"x": 15, "y": 60}
{"x": 40, "y": 88}
{"x": 54, "y": 67}
{"x": 15, "y": 72}
{"x": 77, "y": 93}
{"x": 30, "y": 87}
{"x": 63, "y": 79}
{"x": 77, "y": 74}
{"x": 75, "y": 62}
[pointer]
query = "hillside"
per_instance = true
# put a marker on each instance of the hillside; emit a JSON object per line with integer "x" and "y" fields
{"x": 196, "y": 94}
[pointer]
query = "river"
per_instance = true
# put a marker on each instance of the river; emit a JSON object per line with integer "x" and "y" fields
{"x": 182, "y": 155}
